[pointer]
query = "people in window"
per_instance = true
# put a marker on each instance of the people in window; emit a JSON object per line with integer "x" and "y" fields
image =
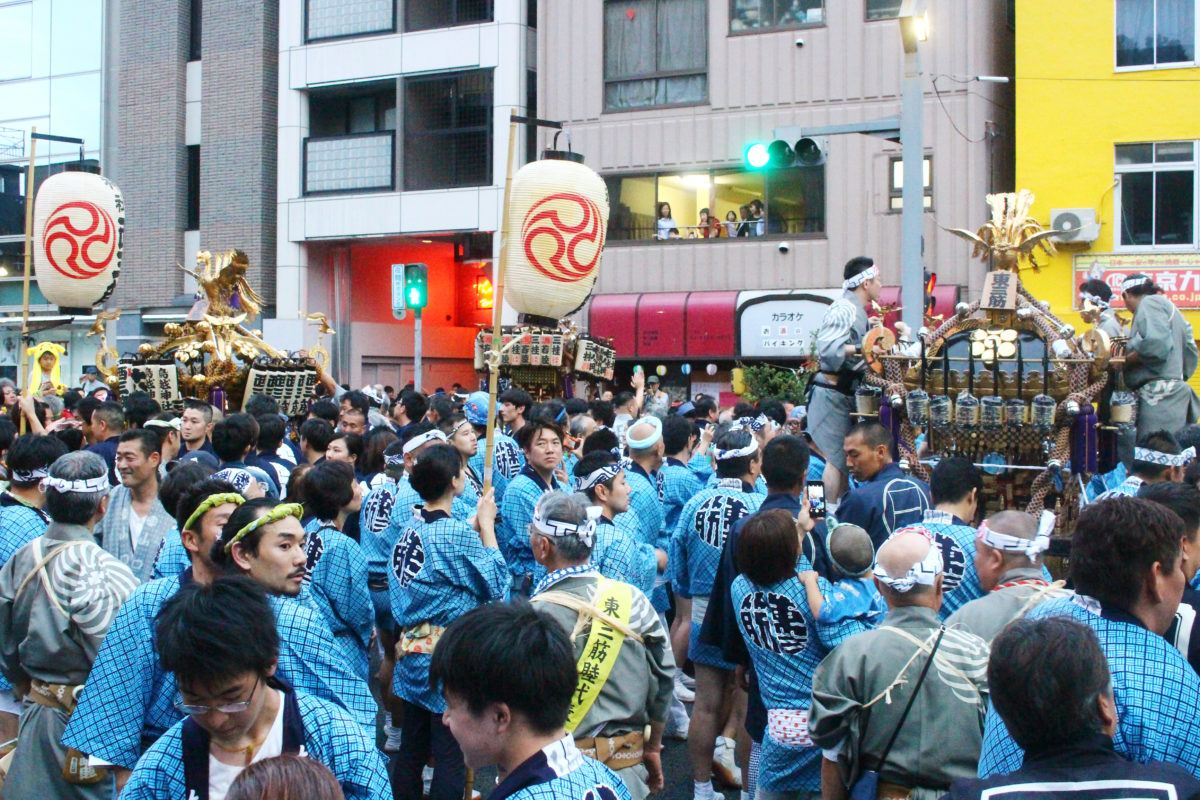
{"x": 758, "y": 214}
{"x": 745, "y": 225}
{"x": 664, "y": 223}
{"x": 731, "y": 224}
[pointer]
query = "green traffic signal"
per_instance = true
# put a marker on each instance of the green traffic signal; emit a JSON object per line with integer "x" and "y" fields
{"x": 416, "y": 286}
{"x": 757, "y": 156}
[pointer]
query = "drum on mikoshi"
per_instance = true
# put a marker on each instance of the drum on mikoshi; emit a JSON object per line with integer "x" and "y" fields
{"x": 78, "y": 224}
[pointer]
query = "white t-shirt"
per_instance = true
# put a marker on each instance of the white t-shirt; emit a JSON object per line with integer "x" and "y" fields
{"x": 221, "y": 776}
{"x": 136, "y": 526}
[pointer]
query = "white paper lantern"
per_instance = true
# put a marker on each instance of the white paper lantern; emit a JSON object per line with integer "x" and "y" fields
{"x": 557, "y": 219}
{"x": 711, "y": 369}
{"x": 660, "y": 370}
{"x": 78, "y": 226}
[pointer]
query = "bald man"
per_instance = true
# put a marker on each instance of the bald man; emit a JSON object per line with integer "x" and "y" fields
{"x": 1008, "y": 559}
{"x": 852, "y": 724}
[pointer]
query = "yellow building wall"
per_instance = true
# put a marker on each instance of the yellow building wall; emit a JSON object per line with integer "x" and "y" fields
{"x": 1072, "y": 107}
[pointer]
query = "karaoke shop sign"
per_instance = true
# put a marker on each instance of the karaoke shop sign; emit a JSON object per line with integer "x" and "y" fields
{"x": 1177, "y": 274}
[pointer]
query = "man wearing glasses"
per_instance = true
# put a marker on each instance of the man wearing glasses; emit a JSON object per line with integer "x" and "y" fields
{"x": 221, "y": 642}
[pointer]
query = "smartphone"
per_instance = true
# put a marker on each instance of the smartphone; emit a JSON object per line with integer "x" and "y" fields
{"x": 816, "y": 499}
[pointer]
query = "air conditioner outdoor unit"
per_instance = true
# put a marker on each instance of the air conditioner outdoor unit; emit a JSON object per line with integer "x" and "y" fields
{"x": 1074, "y": 225}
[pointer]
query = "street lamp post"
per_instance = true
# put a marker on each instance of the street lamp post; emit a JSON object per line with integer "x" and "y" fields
{"x": 914, "y": 29}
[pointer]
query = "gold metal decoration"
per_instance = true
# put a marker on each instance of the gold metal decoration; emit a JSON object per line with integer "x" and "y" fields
{"x": 106, "y": 356}
{"x": 319, "y": 353}
{"x": 1011, "y": 235}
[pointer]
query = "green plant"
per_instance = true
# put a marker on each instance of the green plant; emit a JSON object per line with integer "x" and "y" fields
{"x": 763, "y": 381}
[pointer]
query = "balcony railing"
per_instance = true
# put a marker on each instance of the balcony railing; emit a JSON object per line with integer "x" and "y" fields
{"x": 333, "y": 19}
{"x": 359, "y": 162}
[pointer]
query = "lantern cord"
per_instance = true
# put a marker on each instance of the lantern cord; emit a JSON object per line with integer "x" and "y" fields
{"x": 493, "y": 364}
{"x": 25, "y": 340}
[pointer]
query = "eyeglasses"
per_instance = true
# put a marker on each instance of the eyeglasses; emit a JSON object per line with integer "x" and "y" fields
{"x": 227, "y": 708}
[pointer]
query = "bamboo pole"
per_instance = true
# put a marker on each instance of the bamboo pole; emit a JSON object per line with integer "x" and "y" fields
{"x": 28, "y": 271}
{"x": 498, "y": 309}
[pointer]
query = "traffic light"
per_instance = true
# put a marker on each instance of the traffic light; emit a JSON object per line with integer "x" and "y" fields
{"x": 416, "y": 286}
{"x": 778, "y": 154}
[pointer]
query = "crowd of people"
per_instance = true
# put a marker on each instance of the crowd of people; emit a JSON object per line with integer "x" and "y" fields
{"x": 365, "y": 602}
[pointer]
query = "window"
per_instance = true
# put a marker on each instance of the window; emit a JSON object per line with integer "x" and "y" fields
{"x": 193, "y": 188}
{"x": 761, "y": 203}
{"x": 423, "y": 15}
{"x": 332, "y": 19}
{"x": 352, "y": 143}
{"x": 448, "y": 130}
{"x": 655, "y": 53}
{"x": 882, "y": 9}
{"x": 531, "y": 152}
{"x": 896, "y": 182}
{"x": 195, "y": 17}
{"x": 1157, "y": 196}
{"x": 760, "y": 15}
{"x": 368, "y": 108}
{"x": 1153, "y": 33}
{"x": 531, "y": 13}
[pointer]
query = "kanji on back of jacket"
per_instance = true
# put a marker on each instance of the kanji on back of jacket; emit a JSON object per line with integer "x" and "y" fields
{"x": 1004, "y": 382}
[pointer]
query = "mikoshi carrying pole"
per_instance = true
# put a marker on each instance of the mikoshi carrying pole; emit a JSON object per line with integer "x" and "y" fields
{"x": 493, "y": 363}
{"x": 28, "y": 268}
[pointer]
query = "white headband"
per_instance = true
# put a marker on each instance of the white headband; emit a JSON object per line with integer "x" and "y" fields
{"x": 1134, "y": 280}
{"x": 1164, "y": 459}
{"x": 754, "y": 424}
{"x": 602, "y": 475}
{"x": 30, "y": 475}
{"x": 850, "y": 284}
{"x": 650, "y": 440}
{"x": 725, "y": 455}
{"x": 1033, "y": 548}
{"x": 423, "y": 439}
{"x": 586, "y": 531}
{"x": 173, "y": 424}
{"x": 1093, "y": 299}
{"x": 396, "y": 460}
{"x": 924, "y": 572}
{"x": 82, "y": 486}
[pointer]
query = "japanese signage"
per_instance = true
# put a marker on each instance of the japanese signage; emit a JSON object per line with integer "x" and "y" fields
{"x": 782, "y": 326}
{"x": 1177, "y": 274}
{"x": 160, "y": 381}
{"x": 290, "y": 385}
{"x": 1000, "y": 291}
{"x": 529, "y": 350}
{"x": 595, "y": 359}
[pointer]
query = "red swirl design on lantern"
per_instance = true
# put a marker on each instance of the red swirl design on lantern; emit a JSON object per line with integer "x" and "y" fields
{"x": 97, "y": 231}
{"x": 545, "y": 218}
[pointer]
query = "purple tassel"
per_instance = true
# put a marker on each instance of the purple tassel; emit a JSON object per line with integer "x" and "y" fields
{"x": 216, "y": 397}
{"x": 891, "y": 420}
{"x": 1084, "y": 444}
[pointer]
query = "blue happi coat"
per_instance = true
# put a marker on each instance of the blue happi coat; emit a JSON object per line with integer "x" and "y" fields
{"x": 1129, "y": 487}
{"x": 507, "y": 461}
{"x": 646, "y": 515}
{"x": 785, "y": 648}
{"x": 330, "y": 736}
{"x": 127, "y": 700}
{"x": 373, "y": 520}
{"x": 337, "y": 575}
{"x": 439, "y": 571}
{"x": 889, "y": 501}
{"x": 20, "y": 524}
{"x": 696, "y": 545}
{"x": 172, "y": 556}
{"x": 760, "y": 484}
{"x": 619, "y": 555}
{"x": 679, "y": 485}
{"x": 956, "y": 540}
{"x": 560, "y": 772}
{"x": 850, "y": 600}
{"x": 516, "y": 514}
{"x": 467, "y": 503}
{"x": 1156, "y": 691}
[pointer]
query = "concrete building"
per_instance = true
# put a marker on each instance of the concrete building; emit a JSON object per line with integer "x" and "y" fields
{"x": 54, "y": 58}
{"x": 1121, "y": 164}
{"x": 662, "y": 97}
{"x": 196, "y": 165}
{"x": 392, "y": 144}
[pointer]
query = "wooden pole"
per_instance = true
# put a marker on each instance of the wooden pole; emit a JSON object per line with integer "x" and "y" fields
{"x": 498, "y": 308}
{"x": 28, "y": 270}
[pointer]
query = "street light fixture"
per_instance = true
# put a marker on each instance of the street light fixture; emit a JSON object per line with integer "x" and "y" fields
{"x": 914, "y": 29}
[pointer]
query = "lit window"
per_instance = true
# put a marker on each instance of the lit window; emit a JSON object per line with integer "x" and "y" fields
{"x": 1156, "y": 200}
{"x": 896, "y": 186}
{"x": 882, "y": 9}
